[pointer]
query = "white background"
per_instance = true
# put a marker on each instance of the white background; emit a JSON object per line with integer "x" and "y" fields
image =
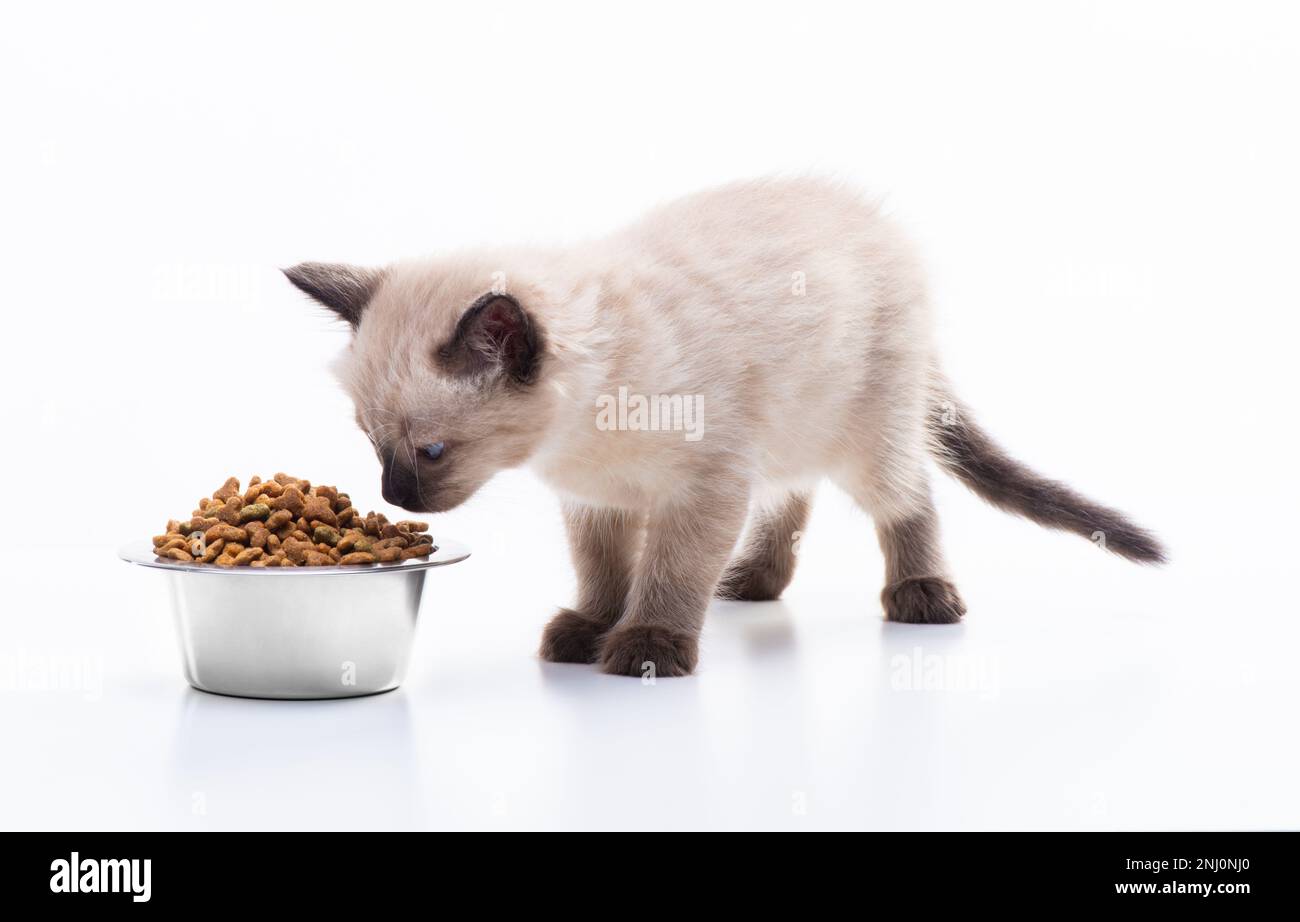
{"x": 1106, "y": 196}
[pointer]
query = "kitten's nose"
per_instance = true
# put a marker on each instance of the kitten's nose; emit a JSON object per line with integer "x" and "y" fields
{"x": 400, "y": 488}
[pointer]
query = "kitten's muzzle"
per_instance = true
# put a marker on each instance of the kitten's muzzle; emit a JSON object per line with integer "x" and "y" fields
{"x": 400, "y": 485}
{"x": 424, "y": 491}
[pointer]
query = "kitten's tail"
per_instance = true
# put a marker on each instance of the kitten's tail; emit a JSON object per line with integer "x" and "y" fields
{"x": 967, "y": 452}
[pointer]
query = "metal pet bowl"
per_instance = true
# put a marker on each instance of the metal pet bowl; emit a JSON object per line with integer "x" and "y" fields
{"x": 296, "y": 632}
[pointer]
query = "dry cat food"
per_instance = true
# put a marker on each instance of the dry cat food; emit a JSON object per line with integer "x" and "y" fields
{"x": 288, "y": 522}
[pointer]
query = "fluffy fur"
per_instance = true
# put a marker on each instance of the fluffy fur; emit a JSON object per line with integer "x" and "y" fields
{"x": 792, "y": 308}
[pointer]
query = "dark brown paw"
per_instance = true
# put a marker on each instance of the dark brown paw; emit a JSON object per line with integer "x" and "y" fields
{"x": 748, "y": 582}
{"x": 646, "y": 651}
{"x": 571, "y": 637}
{"x": 923, "y": 600}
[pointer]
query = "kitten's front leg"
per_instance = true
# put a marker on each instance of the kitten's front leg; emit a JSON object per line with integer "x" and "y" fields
{"x": 687, "y": 545}
{"x": 603, "y": 543}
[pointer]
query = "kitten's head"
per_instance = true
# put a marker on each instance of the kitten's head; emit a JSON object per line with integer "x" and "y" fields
{"x": 444, "y": 374}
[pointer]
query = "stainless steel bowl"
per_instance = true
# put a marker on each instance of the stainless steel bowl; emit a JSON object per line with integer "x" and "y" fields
{"x": 296, "y": 632}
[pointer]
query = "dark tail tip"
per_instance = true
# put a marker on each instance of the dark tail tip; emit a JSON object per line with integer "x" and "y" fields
{"x": 1133, "y": 543}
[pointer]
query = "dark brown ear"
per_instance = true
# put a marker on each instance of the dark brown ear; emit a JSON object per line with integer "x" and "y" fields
{"x": 494, "y": 335}
{"x": 346, "y": 290}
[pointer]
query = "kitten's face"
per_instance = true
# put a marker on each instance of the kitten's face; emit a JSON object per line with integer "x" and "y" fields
{"x": 445, "y": 383}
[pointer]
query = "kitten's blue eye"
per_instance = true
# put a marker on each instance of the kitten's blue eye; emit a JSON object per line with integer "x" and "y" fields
{"x": 434, "y": 451}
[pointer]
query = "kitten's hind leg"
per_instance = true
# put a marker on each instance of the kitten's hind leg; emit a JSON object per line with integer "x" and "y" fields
{"x": 917, "y": 587}
{"x": 766, "y": 561}
{"x": 604, "y": 544}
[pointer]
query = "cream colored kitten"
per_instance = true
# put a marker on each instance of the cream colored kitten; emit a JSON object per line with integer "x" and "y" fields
{"x": 722, "y": 354}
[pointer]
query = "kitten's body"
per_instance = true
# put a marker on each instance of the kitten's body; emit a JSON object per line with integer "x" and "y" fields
{"x": 795, "y": 312}
{"x": 776, "y": 303}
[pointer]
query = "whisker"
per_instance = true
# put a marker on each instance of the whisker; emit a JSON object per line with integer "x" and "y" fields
{"x": 392, "y": 458}
{"x": 415, "y": 463}
{"x": 378, "y": 431}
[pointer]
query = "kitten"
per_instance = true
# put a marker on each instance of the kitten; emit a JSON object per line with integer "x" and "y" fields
{"x": 789, "y": 316}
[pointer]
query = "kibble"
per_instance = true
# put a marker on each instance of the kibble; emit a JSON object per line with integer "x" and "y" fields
{"x": 288, "y": 522}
